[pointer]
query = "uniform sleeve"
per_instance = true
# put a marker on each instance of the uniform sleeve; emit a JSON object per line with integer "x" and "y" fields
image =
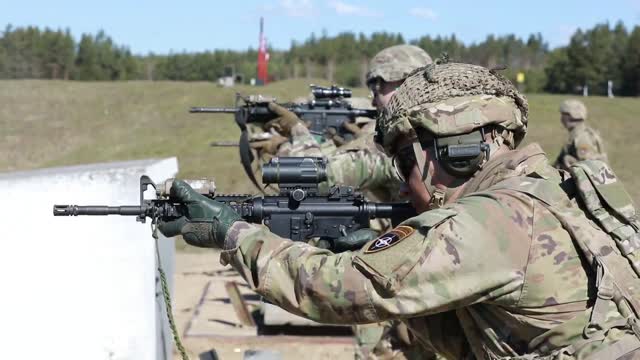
{"x": 300, "y": 278}
{"x": 365, "y": 169}
{"x": 438, "y": 261}
{"x": 302, "y": 144}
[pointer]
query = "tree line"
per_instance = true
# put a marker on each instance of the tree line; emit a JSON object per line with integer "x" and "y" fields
{"x": 592, "y": 58}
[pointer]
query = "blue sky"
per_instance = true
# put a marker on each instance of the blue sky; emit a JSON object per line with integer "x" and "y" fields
{"x": 162, "y": 26}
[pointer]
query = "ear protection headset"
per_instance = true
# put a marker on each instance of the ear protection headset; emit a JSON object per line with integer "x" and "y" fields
{"x": 462, "y": 155}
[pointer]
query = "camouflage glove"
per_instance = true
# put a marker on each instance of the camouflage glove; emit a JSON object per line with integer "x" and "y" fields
{"x": 285, "y": 121}
{"x": 269, "y": 146}
{"x": 355, "y": 240}
{"x": 353, "y": 128}
{"x": 332, "y": 134}
{"x": 206, "y": 221}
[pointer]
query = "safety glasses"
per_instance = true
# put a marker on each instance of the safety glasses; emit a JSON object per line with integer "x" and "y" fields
{"x": 374, "y": 86}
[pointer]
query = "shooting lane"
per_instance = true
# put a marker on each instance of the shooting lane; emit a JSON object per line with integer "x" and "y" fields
{"x": 82, "y": 288}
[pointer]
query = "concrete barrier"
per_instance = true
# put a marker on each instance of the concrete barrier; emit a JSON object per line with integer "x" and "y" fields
{"x": 81, "y": 287}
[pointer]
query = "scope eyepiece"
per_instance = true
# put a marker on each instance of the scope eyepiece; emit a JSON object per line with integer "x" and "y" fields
{"x": 294, "y": 170}
{"x": 321, "y": 92}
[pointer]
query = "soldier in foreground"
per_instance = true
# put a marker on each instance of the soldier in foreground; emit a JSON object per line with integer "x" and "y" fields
{"x": 584, "y": 143}
{"x": 501, "y": 263}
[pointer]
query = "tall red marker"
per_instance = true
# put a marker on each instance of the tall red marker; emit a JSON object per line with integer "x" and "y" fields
{"x": 263, "y": 57}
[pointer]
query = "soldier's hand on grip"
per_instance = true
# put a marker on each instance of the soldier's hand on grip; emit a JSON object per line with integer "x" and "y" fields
{"x": 285, "y": 121}
{"x": 354, "y": 129}
{"x": 355, "y": 240}
{"x": 205, "y": 222}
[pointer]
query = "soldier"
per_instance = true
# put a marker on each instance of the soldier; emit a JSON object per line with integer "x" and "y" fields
{"x": 359, "y": 163}
{"x": 584, "y": 143}
{"x": 507, "y": 263}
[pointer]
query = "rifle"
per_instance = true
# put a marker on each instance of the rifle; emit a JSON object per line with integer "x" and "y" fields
{"x": 326, "y": 114}
{"x": 299, "y": 212}
{"x": 223, "y": 144}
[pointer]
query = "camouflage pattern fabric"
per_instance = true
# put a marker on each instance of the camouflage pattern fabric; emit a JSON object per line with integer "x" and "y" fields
{"x": 389, "y": 341}
{"x": 362, "y": 165}
{"x": 303, "y": 142}
{"x": 584, "y": 143}
{"x": 574, "y": 108}
{"x": 452, "y": 99}
{"x": 396, "y": 62}
{"x": 359, "y": 163}
{"x": 492, "y": 275}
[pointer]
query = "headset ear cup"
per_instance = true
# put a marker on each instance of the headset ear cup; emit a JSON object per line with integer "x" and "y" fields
{"x": 464, "y": 168}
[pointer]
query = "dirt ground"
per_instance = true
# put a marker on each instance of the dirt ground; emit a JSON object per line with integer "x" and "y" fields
{"x": 206, "y": 319}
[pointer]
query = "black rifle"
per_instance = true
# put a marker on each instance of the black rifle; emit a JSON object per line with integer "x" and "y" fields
{"x": 299, "y": 212}
{"x": 326, "y": 114}
{"x": 224, "y": 144}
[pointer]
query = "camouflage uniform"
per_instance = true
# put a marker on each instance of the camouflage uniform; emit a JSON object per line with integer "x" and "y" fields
{"x": 359, "y": 163}
{"x": 584, "y": 143}
{"x": 508, "y": 270}
{"x": 362, "y": 165}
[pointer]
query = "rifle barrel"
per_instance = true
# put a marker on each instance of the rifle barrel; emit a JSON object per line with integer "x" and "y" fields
{"x": 224, "y": 144}
{"x": 98, "y": 210}
{"x": 214, "y": 110}
{"x": 402, "y": 210}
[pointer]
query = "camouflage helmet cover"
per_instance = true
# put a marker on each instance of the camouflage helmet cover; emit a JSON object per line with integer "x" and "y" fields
{"x": 397, "y": 62}
{"x": 575, "y": 109}
{"x": 452, "y": 99}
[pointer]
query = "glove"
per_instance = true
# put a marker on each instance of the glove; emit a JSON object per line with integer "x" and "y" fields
{"x": 285, "y": 121}
{"x": 332, "y": 134}
{"x": 355, "y": 240}
{"x": 205, "y": 222}
{"x": 353, "y": 128}
{"x": 269, "y": 146}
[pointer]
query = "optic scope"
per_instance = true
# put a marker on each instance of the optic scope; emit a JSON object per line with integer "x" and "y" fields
{"x": 294, "y": 170}
{"x": 333, "y": 92}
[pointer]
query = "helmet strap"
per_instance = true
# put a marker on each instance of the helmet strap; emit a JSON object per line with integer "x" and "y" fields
{"x": 437, "y": 195}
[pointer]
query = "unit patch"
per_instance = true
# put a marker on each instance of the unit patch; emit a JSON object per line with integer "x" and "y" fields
{"x": 389, "y": 239}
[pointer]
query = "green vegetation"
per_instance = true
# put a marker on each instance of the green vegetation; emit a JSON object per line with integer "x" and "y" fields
{"x": 57, "y": 123}
{"x": 593, "y": 57}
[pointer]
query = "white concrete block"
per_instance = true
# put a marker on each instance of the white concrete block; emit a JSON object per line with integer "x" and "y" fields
{"x": 79, "y": 287}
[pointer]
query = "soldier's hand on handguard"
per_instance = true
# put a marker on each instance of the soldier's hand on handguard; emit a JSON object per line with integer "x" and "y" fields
{"x": 332, "y": 134}
{"x": 270, "y": 145}
{"x": 206, "y": 221}
{"x": 285, "y": 121}
{"x": 355, "y": 240}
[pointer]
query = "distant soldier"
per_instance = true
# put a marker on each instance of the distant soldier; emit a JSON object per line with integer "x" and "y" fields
{"x": 360, "y": 163}
{"x": 584, "y": 143}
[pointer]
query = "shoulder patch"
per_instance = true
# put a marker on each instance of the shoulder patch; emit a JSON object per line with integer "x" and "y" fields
{"x": 389, "y": 239}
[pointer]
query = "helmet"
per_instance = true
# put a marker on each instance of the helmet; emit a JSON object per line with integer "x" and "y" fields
{"x": 452, "y": 99}
{"x": 575, "y": 109}
{"x": 396, "y": 62}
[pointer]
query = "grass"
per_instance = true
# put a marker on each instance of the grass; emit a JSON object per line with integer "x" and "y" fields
{"x": 57, "y": 123}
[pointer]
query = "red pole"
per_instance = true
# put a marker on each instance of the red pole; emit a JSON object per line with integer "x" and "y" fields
{"x": 263, "y": 57}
